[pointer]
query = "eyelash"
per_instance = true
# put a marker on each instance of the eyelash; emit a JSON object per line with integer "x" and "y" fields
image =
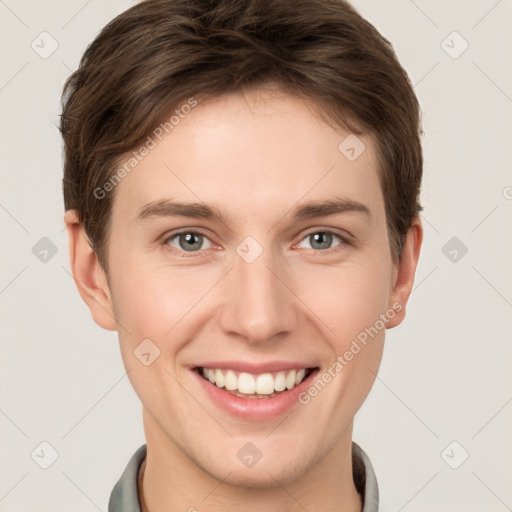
{"x": 190, "y": 254}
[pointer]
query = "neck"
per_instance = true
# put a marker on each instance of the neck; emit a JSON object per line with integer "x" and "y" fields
{"x": 170, "y": 481}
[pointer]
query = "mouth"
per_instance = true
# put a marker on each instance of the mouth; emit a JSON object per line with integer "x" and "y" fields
{"x": 251, "y": 395}
{"x": 248, "y": 385}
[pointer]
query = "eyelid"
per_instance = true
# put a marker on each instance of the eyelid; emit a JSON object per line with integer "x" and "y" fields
{"x": 180, "y": 231}
{"x": 345, "y": 238}
{"x": 342, "y": 233}
{"x": 173, "y": 234}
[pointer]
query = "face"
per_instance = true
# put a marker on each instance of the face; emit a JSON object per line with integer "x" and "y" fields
{"x": 250, "y": 253}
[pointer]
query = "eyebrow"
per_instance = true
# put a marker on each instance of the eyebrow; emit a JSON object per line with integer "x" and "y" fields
{"x": 170, "y": 208}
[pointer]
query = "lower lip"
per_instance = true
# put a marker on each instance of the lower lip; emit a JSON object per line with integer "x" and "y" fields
{"x": 255, "y": 408}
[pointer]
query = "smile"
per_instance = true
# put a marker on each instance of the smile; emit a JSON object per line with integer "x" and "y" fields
{"x": 254, "y": 392}
{"x": 247, "y": 385}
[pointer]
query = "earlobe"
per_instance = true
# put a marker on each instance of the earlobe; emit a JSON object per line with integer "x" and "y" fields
{"x": 405, "y": 272}
{"x": 89, "y": 277}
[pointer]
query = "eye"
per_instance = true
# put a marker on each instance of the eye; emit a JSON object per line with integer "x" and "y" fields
{"x": 322, "y": 240}
{"x": 188, "y": 241}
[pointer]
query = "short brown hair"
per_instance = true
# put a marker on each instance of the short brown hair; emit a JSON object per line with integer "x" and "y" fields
{"x": 153, "y": 56}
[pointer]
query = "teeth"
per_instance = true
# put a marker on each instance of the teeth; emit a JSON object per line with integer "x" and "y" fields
{"x": 280, "y": 382}
{"x": 290, "y": 379}
{"x": 300, "y": 376}
{"x": 219, "y": 379}
{"x": 231, "y": 380}
{"x": 266, "y": 384}
{"x": 246, "y": 383}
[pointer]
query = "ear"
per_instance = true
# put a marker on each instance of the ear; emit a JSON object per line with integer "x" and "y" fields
{"x": 89, "y": 277}
{"x": 404, "y": 272}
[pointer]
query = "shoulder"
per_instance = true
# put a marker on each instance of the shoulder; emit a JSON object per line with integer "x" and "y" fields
{"x": 124, "y": 496}
{"x": 365, "y": 479}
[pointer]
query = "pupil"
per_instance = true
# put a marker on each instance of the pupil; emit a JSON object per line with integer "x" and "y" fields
{"x": 321, "y": 240}
{"x": 192, "y": 241}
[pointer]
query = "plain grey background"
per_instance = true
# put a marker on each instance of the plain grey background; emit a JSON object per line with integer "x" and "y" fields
{"x": 444, "y": 390}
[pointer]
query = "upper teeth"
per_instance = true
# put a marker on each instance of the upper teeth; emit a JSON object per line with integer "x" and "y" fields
{"x": 247, "y": 383}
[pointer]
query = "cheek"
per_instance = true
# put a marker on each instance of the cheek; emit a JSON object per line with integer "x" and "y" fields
{"x": 168, "y": 306}
{"x": 346, "y": 299}
{"x": 349, "y": 300}
{"x": 152, "y": 296}
{"x": 152, "y": 307}
{"x": 155, "y": 300}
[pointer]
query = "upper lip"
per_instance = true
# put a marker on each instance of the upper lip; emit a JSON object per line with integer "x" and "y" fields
{"x": 256, "y": 368}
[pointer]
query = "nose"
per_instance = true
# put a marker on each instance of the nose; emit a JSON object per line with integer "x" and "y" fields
{"x": 258, "y": 305}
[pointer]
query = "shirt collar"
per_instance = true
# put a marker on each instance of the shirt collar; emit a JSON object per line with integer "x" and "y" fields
{"x": 124, "y": 496}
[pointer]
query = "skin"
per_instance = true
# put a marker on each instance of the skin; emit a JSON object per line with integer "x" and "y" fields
{"x": 255, "y": 156}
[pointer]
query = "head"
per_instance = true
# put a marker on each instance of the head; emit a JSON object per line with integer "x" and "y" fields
{"x": 241, "y": 184}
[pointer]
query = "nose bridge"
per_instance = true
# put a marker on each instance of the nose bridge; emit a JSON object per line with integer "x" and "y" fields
{"x": 257, "y": 305}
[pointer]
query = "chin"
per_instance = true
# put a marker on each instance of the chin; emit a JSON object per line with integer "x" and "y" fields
{"x": 263, "y": 474}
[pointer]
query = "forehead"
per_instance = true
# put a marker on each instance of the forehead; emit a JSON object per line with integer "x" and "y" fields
{"x": 252, "y": 152}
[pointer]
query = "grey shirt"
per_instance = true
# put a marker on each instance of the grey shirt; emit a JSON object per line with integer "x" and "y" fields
{"x": 124, "y": 496}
